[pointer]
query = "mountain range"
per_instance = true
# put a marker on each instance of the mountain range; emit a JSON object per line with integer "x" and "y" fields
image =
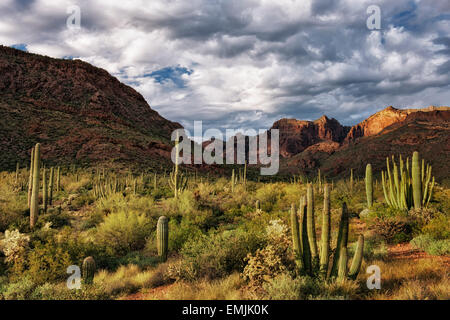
{"x": 82, "y": 114}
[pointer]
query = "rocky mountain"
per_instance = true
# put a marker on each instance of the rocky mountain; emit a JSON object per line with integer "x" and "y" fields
{"x": 297, "y": 135}
{"x": 386, "y": 133}
{"x": 78, "y": 112}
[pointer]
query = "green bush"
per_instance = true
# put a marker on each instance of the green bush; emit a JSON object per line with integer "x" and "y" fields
{"x": 21, "y": 289}
{"x": 218, "y": 254}
{"x": 438, "y": 227}
{"x": 123, "y": 232}
{"x": 430, "y": 245}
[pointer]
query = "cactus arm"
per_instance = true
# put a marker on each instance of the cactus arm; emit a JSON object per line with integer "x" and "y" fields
{"x": 357, "y": 259}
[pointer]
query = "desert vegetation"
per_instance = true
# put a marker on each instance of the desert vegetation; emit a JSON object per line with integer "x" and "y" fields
{"x": 185, "y": 235}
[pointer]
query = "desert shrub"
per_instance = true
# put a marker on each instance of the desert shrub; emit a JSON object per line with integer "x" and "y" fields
{"x": 273, "y": 259}
{"x": 124, "y": 231}
{"x": 138, "y": 259}
{"x": 81, "y": 200}
{"x": 48, "y": 262}
{"x": 438, "y": 227}
{"x": 216, "y": 254}
{"x": 56, "y": 219}
{"x": 268, "y": 195}
{"x": 73, "y": 186}
{"x": 180, "y": 232}
{"x": 431, "y": 245}
{"x": 424, "y": 215}
{"x": 21, "y": 289}
{"x": 14, "y": 245}
{"x": 286, "y": 287}
{"x": 392, "y": 230}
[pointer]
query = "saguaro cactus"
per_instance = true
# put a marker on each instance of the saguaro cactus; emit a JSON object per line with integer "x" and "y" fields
{"x": 50, "y": 185}
{"x": 416, "y": 181}
{"x": 369, "y": 186}
{"x": 326, "y": 228}
{"x": 88, "y": 270}
{"x": 162, "y": 237}
{"x": 34, "y": 205}
{"x": 58, "y": 179}
{"x": 30, "y": 180}
{"x": 44, "y": 190}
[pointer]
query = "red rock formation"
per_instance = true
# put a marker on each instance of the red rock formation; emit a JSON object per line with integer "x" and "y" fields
{"x": 389, "y": 116}
{"x": 297, "y": 135}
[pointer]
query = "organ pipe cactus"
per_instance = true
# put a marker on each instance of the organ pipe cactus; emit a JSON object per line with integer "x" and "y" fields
{"x": 88, "y": 270}
{"x": 162, "y": 237}
{"x": 326, "y": 226}
{"x": 306, "y": 252}
{"x": 302, "y": 242}
{"x": 34, "y": 202}
{"x": 357, "y": 259}
{"x": 369, "y": 186}
{"x": 310, "y": 224}
{"x": 296, "y": 240}
{"x": 416, "y": 180}
{"x": 407, "y": 186}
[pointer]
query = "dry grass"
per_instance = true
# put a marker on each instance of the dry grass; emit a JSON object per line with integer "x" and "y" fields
{"x": 412, "y": 280}
{"x": 228, "y": 288}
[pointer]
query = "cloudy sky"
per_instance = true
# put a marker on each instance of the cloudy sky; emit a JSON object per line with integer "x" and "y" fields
{"x": 248, "y": 63}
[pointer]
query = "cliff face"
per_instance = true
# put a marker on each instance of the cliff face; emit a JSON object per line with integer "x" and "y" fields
{"x": 297, "y": 135}
{"x": 389, "y": 116}
{"x": 76, "y": 111}
{"x": 386, "y": 133}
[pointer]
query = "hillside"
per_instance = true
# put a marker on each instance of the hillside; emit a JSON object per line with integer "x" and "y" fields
{"x": 388, "y": 132}
{"x": 77, "y": 111}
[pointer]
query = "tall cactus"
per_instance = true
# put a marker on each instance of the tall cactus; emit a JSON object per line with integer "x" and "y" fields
{"x": 30, "y": 180}
{"x": 339, "y": 264}
{"x": 369, "y": 186}
{"x": 311, "y": 227}
{"x": 304, "y": 236}
{"x": 44, "y": 190}
{"x": 326, "y": 228}
{"x": 416, "y": 181}
{"x": 162, "y": 237}
{"x": 88, "y": 270}
{"x": 177, "y": 181}
{"x": 50, "y": 185}
{"x": 34, "y": 203}
{"x": 407, "y": 186}
{"x": 58, "y": 179}
{"x": 296, "y": 241}
{"x": 342, "y": 239}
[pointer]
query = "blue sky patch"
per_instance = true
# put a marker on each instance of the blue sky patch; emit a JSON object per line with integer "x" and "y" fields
{"x": 173, "y": 74}
{"x": 20, "y": 46}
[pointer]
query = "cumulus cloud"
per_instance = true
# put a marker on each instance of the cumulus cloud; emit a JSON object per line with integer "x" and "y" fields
{"x": 247, "y": 63}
